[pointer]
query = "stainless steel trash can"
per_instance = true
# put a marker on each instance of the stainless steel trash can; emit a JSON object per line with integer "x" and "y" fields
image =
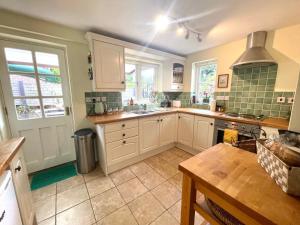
{"x": 85, "y": 145}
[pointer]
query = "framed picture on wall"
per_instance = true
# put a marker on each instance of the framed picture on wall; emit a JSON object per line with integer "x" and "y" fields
{"x": 223, "y": 80}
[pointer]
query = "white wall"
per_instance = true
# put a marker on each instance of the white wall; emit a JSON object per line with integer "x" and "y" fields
{"x": 280, "y": 44}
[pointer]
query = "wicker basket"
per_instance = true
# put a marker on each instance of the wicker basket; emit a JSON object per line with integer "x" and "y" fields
{"x": 287, "y": 177}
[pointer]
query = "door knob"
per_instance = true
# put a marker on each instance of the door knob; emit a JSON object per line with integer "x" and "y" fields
{"x": 18, "y": 169}
{"x": 124, "y": 142}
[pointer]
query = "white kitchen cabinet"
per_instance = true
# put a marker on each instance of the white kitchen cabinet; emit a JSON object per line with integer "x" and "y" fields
{"x": 172, "y": 81}
{"x": 121, "y": 150}
{"x": 185, "y": 129}
{"x": 149, "y": 133}
{"x": 108, "y": 66}
{"x": 203, "y": 133}
{"x": 167, "y": 129}
{"x": 22, "y": 188}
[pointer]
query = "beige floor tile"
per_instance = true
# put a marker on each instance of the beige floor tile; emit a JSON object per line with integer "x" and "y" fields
{"x": 167, "y": 194}
{"x": 99, "y": 185}
{"x": 175, "y": 211}
{"x": 165, "y": 219}
{"x": 81, "y": 214}
{"x": 166, "y": 170}
{"x": 186, "y": 156}
{"x": 177, "y": 151}
{"x": 71, "y": 197}
{"x": 69, "y": 183}
{"x": 146, "y": 208}
{"x": 122, "y": 176}
{"x": 45, "y": 208}
{"x": 177, "y": 180}
{"x": 44, "y": 192}
{"x": 50, "y": 221}
{"x": 122, "y": 216}
{"x": 140, "y": 168}
{"x": 151, "y": 179}
{"x": 93, "y": 174}
{"x": 131, "y": 189}
{"x": 106, "y": 203}
{"x": 167, "y": 155}
{"x": 175, "y": 162}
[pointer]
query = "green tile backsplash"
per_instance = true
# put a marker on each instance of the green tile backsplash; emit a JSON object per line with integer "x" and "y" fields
{"x": 252, "y": 92}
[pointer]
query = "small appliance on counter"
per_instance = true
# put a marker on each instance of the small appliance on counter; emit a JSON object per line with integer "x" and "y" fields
{"x": 176, "y": 103}
{"x": 166, "y": 102}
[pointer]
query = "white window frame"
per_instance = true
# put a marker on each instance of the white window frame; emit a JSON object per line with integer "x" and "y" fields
{"x": 196, "y": 70}
{"x": 139, "y": 65}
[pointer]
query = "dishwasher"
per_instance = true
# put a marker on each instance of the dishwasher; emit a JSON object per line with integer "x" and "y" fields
{"x": 9, "y": 209}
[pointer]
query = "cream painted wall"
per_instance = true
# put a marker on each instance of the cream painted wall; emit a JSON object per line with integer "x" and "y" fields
{"x": 15, "y": 25}
{"x": 279, "y": 46}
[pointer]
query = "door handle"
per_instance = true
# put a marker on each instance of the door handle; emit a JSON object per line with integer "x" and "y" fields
{"x": 2, "y": 216}
{"x": 67, "y": 110}
{"x": 18, "y": 169}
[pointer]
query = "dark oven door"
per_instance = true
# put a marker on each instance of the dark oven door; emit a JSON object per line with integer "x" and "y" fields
{"x": 219, "y": 136}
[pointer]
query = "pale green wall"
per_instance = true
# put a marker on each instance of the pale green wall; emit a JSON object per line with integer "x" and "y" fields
{"x": 76, "y": 49}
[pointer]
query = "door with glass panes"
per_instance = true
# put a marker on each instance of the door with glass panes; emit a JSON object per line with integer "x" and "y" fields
{"x": 37, "y": 98}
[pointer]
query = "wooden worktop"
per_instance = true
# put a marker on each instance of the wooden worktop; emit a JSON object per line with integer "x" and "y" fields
{"x": 8, "y": 149}
{"x": 236, "y": 176}
{"x": 269, "y": 122}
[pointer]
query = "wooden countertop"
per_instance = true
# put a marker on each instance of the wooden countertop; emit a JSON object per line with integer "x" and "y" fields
{"x": 269, "y": 122}
{"x": 8, "y": 149}
{"x": 236, "y": 175}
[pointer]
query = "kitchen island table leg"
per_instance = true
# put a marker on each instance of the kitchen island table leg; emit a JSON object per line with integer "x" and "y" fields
{"x": 188, "y": 200}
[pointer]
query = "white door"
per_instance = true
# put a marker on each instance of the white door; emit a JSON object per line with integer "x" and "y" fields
{"x": 36, "y": 92}
{"x": 203, "y": 133}
{"x": 149, "y": 133}
{"x": 108, "y": 66}
{"x": 167, "y": 129}
{"x": 185, "y": 129}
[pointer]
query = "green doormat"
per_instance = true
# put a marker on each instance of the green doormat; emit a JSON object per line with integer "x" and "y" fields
{"x": 52, "y": 175}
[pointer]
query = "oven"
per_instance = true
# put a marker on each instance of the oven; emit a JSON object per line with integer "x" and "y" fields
{"x": 246, "y": 131}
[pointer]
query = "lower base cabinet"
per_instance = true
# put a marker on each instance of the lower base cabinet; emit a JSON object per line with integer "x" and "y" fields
{"x": 121, "y": 150}
{"x": 149, "y": 133}
{"x": 22, "y": 188}
{"x": 185, "y": 129}
{"x": 203, "y": 133}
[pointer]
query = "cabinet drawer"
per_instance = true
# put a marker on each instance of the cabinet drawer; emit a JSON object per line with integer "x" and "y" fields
{"x": 122, "y": 134}
{"x": 119, "y": 151}
{"x": 120, "y": 125}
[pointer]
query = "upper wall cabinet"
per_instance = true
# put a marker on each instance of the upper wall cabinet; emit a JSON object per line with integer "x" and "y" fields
{"x": 108, "y": 66}
{"x": 173, "y": 75}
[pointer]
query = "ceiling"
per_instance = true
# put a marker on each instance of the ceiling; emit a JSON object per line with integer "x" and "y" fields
{"x": 132, "y": 20}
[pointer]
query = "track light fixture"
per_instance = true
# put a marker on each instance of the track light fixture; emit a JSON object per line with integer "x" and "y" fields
{"x": 163, "y": 21}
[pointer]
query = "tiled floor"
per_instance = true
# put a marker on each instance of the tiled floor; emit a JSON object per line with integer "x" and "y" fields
{"x": 148, "y": 192}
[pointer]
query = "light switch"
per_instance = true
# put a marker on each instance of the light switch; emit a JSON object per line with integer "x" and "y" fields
{"x": 103, "y": 99}
{"x": 280, "y": 99}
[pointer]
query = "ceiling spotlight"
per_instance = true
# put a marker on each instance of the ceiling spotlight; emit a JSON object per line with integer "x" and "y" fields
{"x": 187, "y": 35}
{"x": 180, "y": 30}
{"x": 199, "y": 38}
{"x": 162, "y": 22}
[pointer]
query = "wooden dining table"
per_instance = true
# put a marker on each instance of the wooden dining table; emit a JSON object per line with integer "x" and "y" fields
{"x": 234, "y": 180}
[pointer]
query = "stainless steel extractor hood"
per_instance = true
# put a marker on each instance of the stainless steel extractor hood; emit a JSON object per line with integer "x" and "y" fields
{"x": 255, "y": 52}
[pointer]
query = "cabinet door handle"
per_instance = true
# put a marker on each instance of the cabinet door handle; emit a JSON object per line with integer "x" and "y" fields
{"x": 211, "y": 124}
{"x": 18, "y": 169}
{"x": 179, "y": 117}
{"x": 161, "y": 120}
{"x": 123, "y": 135}
{"x": 123, "y": 125}
{"x": 124, "y": 142}
{"x": 123, "y": 82}
{"x": 2, "y": 215}
{"x": 158, "y": 121}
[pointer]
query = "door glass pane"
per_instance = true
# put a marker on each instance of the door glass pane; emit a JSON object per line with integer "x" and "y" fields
{"x": 147, "y": 81}
{"x": 50, "y": 85}
{"x": 19, "y": 60}
{"x": 54, "y": 107}
{"x": 131, "y": 85}
{"x": 47, "y": 63}
{"x": 23, "y": 85}
{"x": 28, "y": 109}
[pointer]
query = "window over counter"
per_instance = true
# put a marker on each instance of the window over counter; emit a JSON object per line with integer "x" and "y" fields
{"x": 204, "y": 78}
{"x": 141, "y": 81}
